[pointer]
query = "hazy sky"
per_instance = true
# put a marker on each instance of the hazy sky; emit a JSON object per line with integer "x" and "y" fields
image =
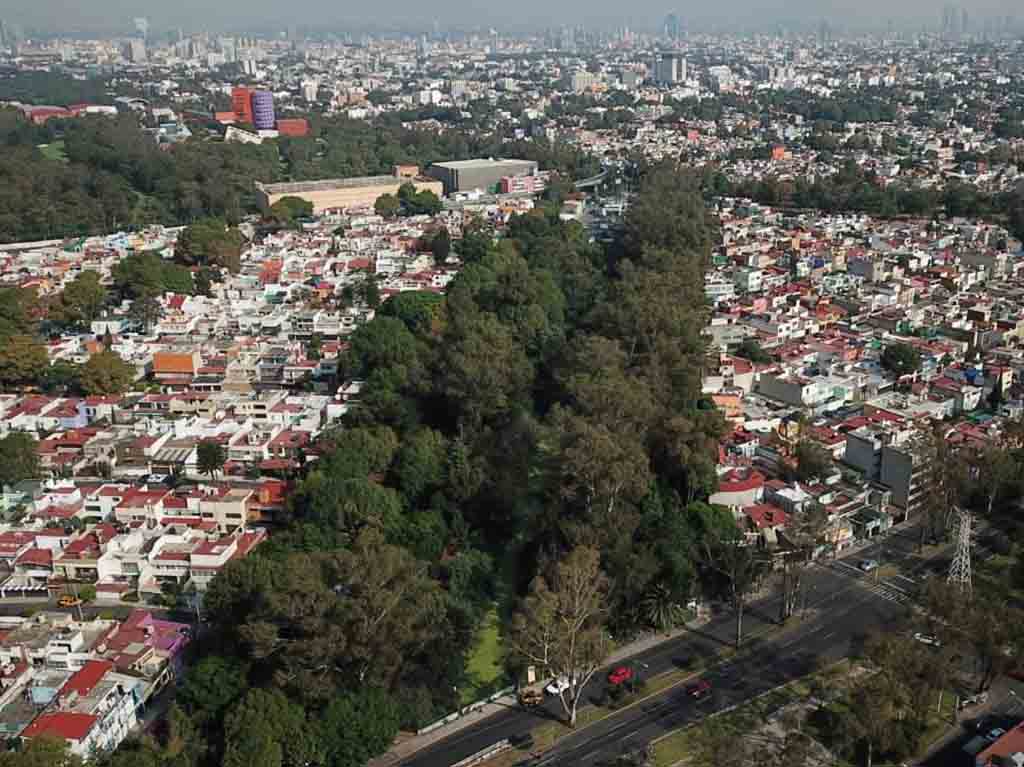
{"x": 194, "y": 15}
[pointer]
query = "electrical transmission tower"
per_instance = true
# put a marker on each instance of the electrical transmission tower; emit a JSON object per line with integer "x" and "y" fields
{"x": 960, "y": 571}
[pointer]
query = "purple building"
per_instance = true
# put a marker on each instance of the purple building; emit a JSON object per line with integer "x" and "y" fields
{"x": 263, "y": 110}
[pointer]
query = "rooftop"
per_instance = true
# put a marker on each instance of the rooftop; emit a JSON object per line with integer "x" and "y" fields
{"x": 327, "y": 184}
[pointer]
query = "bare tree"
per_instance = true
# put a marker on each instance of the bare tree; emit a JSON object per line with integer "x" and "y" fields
{"x": 561, "y": 625}
{"x": 737, "y": 568}
{"x": 803, "y": 534}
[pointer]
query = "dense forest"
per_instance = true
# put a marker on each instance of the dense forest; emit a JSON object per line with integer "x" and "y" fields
{"x": 549, "y": 402}
{"x": 112, "y": 175}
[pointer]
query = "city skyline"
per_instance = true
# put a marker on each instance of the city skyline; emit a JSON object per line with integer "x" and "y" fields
{"x": 110, "y": 17}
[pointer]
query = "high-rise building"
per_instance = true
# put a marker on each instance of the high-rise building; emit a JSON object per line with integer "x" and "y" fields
{"x": 141, "y": 26}
{"x": 136, "y": 51}
{"x": 672, "y": 28}
{"x": 310, "y": 89}
{"x": 669, "y": 69}
{"x": 241, "y": 104}
{"x": 263, "y": 110}
{"x": 581, "y": 81}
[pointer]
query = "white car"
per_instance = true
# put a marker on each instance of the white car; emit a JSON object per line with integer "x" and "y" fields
{"x": 867, "y": 565}
{"x": 927, "y": 639}
{"x": 557, "y": 686}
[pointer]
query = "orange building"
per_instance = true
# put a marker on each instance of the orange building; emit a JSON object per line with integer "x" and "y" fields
{"x": 297, "y": 127}
{"x": 178, "y": 367}
{"x": 241, "y": 104}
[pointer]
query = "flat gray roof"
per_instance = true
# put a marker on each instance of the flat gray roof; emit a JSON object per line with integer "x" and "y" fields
{"x": 464, "y": 164}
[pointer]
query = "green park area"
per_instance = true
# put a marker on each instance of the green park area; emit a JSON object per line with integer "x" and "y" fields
{"x": 484, "y": 667}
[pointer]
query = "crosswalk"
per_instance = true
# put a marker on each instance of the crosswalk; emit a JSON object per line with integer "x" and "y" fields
{"x": 886, "y": 589}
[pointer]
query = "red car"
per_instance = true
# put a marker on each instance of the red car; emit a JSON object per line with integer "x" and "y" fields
{"x": 620, "y": 675}
{"x": 699, "y": 689}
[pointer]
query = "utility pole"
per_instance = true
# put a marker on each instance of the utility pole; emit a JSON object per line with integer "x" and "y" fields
{"x": 960, "y": 571}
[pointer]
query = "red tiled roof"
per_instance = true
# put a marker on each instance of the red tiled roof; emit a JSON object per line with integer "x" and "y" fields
{"x": 86, "y": 678}
{"x": 765, "y": 515}
{"x": 36, "y": 557}
{"x": 739, "y": 481}
{"x": 62, "y": 724}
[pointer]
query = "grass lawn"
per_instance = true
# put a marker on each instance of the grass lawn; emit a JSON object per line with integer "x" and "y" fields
{"x": 484, "y": 666}
{"x": 54, "y": 151}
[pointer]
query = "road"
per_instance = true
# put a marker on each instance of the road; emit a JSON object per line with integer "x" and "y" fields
{"x": 845, "y": 605}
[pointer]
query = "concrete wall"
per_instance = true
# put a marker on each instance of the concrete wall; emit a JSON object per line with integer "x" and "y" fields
{"x": 347, "y": 196}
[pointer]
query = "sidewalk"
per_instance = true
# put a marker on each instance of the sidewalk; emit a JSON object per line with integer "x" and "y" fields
{"x": 407, "y": 744}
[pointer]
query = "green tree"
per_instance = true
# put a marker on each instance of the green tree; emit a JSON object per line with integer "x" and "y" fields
{"x": 872, "y": 713}
{"x": 211, "y": 685}
{"x": 441, "y": 245}
{"x": 283, "y": 721}
{"x": 146, "y": 274}
{"x": 210, "y": 457}
{"x": 40, "y": 752}
{"x": 751, "y": 350}
{"x": 688, "y": 228}
{"x": 419, "y": 465}
{"x": 476, "y": 241}
{"x": 901, "y": 359}
{"x": 734, "y": 569}
{"x": 288, "y": 210}
{"x": 18, "y": 458}
{"x": 660, "y": 608}
{"x": 812, "y": 461}
{"x": 357, "y": 727}
{"x": 82, "y": 300}
{"x": 391, "y": 607}
{"x": 23, "y": 361}
{"x": 254, "y": 749}
{"x": 418, "y": 203}
{"x": 147, "y": 310}
{"x": 17, "y": 307}
{"x": 560, "y": 627}
{"x": 106, "y": 373}
{"x": 387, "y": 205}
{"x": 314, "y": 347}
{"x": 418, "y": 309}
{"x": 210, "y": 242}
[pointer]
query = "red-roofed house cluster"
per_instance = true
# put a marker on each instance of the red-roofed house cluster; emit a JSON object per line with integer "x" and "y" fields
{"x": 84, "y": 682}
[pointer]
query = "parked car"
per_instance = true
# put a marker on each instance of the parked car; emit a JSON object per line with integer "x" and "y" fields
{"x": 620, "y": 675}
{"x": 995, "y": 734}
{"x": 530, "y": 696}
{"x": 699, "y": 689}
{"x": 927, "y": 639}
{"x": 557, "y": 686}
{"x": 68, "y": 601}
{"x": 867, "y": 565}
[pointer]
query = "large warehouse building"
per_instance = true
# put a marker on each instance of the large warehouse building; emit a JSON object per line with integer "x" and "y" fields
{"x": 467, "y": 175}
{"x": 336, "y": 193}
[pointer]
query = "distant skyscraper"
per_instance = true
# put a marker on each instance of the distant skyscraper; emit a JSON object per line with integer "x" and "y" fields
{"x": 141, "y": 26}
{"x": 672, "y": 28}
{"x": 669, "y": 69}
{"x": 137, "y": 51}
{"x": 964, "y": 22}
{"x": 4, "y": 34}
